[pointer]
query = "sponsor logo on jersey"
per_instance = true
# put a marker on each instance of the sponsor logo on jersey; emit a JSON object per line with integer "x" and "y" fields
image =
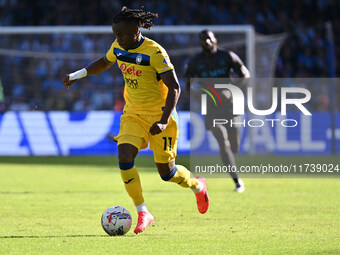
{"x": 131, "y": 83}
{"x": 131, "y": 70}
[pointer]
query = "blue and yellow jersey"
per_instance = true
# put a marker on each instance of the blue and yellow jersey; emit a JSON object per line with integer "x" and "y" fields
{"x": 142, "y": 68}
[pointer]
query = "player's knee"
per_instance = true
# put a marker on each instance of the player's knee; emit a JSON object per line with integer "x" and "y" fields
{"x": 165, "y": 169}
{"x": 125, "y": 157}
{"x": 168, "y": 175}
{"x": 227, "y": 145}
{"x": 126, "y": 153}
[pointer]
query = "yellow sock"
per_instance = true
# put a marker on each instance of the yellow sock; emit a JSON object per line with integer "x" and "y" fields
{"x": 182, "y": 177}
{"x": 132, "y": 182}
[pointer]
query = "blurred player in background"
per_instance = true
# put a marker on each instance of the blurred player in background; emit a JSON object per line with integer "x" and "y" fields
{"x": 149, "y": 116}
{"x": 213, "y": 62}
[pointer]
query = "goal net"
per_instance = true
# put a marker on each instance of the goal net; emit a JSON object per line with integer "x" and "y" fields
{"x": 34, "y": 60}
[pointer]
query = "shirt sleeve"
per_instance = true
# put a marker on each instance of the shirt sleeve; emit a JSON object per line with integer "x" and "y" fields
{"x": 110, "y": 56}
{"x": 161, "y": 62}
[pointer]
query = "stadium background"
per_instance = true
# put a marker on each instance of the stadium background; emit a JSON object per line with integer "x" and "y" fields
{"x": 53, "y": 205}
{"x": 32, "y": 66}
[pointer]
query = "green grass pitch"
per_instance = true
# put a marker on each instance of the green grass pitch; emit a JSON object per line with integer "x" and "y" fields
{"x": 54, "y": 206}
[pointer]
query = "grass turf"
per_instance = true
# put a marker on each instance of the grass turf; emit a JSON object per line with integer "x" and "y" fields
{"x": 54, "y": 205}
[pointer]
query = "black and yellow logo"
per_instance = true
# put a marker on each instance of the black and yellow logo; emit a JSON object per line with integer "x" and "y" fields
{"x": 131, "y": 83}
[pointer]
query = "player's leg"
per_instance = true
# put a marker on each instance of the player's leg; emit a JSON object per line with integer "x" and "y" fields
{"x": 126, "y": 155}
{"x": 178, "y": 174}
{"x": 131, "y": 138}
{"x": 220, "y": 132}
{"x": 170, "y": 172}
{"x": 164, "y": 146}
{"x": 234, "y": 139}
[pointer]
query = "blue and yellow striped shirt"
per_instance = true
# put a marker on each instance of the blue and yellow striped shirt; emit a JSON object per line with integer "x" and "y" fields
{"x": 142, "y": 68}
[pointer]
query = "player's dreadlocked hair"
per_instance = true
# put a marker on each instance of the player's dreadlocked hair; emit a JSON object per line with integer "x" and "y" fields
{"x": 138, "y": 16}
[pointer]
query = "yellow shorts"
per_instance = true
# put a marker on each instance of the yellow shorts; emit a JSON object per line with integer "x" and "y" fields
{"x": 134, "y": 129}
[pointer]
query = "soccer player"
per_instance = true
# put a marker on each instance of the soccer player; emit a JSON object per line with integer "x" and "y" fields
{"x": 213, "y": 62}
{"x": 149, "y": 116}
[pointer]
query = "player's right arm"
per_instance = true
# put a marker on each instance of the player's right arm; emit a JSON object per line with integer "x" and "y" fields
{"x": 97, "y": 66}
{"x": 240, "y": 69}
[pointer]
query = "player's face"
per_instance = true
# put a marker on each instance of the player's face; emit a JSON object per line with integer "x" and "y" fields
{"x": 126, "y": 34}
{"x": 208, "y": 41}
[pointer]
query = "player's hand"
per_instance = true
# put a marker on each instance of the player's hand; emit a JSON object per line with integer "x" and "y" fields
{"x": 67, "y": 83}
{"x": 157, "y": 128}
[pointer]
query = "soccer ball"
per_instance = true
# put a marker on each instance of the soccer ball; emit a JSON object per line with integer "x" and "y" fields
{"x": 116, "y": 221}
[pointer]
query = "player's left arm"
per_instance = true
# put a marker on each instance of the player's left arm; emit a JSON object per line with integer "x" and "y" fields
{"x": 240, "y": 69}
{"x": 170, "y": 80}
{"x": 237, "y": 65}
